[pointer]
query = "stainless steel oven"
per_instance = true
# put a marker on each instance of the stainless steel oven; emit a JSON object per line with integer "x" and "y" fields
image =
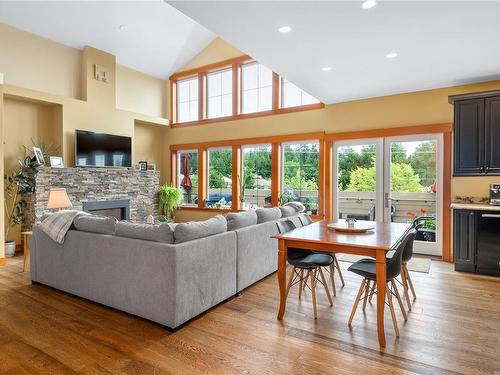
{"x": 488, "y": 243}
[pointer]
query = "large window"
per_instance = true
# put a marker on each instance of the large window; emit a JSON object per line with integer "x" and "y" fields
{"x": 187, "y": 100}
{"x": 256, "y": 190}
{"x": 293, "y": 96}
{"x": 187, "y": 176}
{"x": 301, "y": 174}
{"x": 220, "y": 93}
{"x": 220, "y": 172}
{"x": 257, "y": 88}
{"x": 234, "y": 89}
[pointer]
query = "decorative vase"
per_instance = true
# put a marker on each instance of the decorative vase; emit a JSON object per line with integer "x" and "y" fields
{"x": 10, "y": 248}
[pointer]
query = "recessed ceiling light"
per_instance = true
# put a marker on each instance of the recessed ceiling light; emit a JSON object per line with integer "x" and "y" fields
{"x": 326, "y": 68}
{"x": 368, "y": 4}
{"x": 391, "y": 55}
{"x": 122, "y": 27}
{"x": 285, "y": 29}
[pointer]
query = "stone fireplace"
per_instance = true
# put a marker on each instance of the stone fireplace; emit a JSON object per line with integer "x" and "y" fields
{"x": 119, "y": 192}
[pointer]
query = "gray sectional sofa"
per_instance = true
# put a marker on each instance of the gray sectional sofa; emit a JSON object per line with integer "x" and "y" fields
{"x": 167, "y": 273}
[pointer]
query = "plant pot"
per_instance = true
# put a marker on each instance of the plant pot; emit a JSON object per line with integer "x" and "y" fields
{"x": 10, "y": 248}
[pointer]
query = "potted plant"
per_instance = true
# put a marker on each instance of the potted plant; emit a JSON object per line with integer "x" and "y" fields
{"x": 18, "y": 184}
{"x": 170, "y": 197}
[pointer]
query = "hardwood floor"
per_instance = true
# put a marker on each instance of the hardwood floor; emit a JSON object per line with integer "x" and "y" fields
{"x": 453, "y": 327}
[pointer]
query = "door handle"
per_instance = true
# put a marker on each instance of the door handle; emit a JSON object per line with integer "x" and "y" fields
{"x": 387, "y": 200}
{"x": 492, "y": 216}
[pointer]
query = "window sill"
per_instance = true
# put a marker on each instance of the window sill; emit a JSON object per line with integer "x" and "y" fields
{"x": 244, "y": 116}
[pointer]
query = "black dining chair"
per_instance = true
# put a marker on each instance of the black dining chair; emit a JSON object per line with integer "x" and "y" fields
{"x": 306, "y": 220}
{"x": 306, "y": 265}
{"x": 367, "y": 269}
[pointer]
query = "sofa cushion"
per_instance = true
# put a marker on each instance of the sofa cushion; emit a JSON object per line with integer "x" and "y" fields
{"x": 163, "y": 232}
{"x": 267, "y": 214}
{"x": 287, "y": 211}
{"x": 237, "y": 220}
{"x": 192, "y": 230}
{"x": 95, "y": 224}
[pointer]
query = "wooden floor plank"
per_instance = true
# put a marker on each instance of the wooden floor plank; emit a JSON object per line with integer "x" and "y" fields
{"x": 453, "y": 328}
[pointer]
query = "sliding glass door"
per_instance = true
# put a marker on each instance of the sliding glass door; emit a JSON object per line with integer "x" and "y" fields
{"x": 392, "y": 180}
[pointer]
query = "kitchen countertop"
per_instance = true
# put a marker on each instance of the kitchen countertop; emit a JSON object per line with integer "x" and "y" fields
{"x": 475, "y": 206}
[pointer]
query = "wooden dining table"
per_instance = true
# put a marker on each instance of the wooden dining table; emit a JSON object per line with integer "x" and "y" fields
{"x": 318, "y": 237}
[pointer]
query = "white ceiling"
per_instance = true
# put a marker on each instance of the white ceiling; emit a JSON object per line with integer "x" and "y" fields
{"x": 439, "y": 44}
{"x": 157, "y": 39}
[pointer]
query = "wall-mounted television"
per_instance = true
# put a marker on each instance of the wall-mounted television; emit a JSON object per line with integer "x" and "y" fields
{"x": 102, "y": 150}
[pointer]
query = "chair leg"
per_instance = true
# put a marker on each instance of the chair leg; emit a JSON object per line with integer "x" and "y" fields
{"x": 313, "y": 292}
{"x": 356, "y": 302}
{"x": 338, "y": 268}
{"x": 393, "y": 313}
{"x": 325, "y": 285}
{"x": 367, "y": 290}
{"x": 410, "y": 283}
{"x": 301, "y": 282}
{"x": 398, "y": 297}
{"x": 332, "y": 279}
{"x": 404, "y": 281}
{"x": 372, "y": 292}
{"x": 290, "y": 280}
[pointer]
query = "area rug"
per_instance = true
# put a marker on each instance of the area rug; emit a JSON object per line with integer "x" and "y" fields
{"x": 416, "y": 264}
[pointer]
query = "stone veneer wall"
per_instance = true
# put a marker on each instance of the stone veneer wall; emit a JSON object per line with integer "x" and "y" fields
{"x": 96, "y": 184}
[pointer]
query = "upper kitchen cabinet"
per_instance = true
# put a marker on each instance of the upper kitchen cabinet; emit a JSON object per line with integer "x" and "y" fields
{"x": 476, "y": 134}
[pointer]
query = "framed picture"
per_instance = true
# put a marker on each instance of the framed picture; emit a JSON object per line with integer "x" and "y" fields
{"x": 39, "y": 156}
{"x": 143, "y": 165}
{"x": 151, "y": 167}
{"x": 56, "y": 162}
{"x": 137, "y": 167}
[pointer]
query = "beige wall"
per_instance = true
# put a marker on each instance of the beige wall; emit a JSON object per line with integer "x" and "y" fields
{"x": 138, "y": 92}
{"x": 30, "y": 61}
{"x": 2, "y": 213}
{"x": 149, "y": 145}
{"x": 27, "y": 124}
{"x": 215, "y": 52}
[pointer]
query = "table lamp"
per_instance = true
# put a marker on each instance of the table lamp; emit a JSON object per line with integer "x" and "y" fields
{"x": 58, "y": 199}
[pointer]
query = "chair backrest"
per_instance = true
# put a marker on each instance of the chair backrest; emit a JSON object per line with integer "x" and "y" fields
{"x": 285, "y": 226}
{"x": 394, "y": 265}
{"x": 408, "y": 250}
{"x": 305, "y": 219}
{"x": 292, "y": 254}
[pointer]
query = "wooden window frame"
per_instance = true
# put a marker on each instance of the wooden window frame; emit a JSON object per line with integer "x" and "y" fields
{"x": 235, "y": 64}
{"x": 276, "y": 143}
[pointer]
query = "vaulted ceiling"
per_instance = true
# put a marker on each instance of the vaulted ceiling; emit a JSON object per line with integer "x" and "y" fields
{"x": 438, "y": 43}
{"x": 150, "y": 36}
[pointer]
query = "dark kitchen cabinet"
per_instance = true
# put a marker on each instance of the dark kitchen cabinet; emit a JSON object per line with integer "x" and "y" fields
{"x": 476, "y": 134}
{"x": 492, "y": 134}
{"x": 464, "y": 240}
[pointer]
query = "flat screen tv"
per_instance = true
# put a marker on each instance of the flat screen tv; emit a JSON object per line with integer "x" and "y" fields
{"x": 102, "y": 150}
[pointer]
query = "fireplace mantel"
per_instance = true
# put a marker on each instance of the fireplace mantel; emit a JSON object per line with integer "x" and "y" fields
{"x": 97, "y": 184}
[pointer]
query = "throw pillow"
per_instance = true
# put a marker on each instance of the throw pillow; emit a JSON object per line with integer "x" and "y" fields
{"x": 287, "y": 211}
{"x": 193, "y": 230}
{"x": 299, "y": 207}
{"x": 267, "y": 214}
{"x": 163, "y": 232}
{"x": 237, "y": 220}
{"x": 95, "y": 224}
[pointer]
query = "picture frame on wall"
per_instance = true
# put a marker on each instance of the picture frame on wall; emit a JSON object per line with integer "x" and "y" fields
{"x": 39, "y": 155}
{"x": 56, "y": 162}
{"x": 143, "y": 165}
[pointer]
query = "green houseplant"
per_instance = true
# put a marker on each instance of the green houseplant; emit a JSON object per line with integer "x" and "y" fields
{"x": 170, "y": 197}
{"x": 20, "y": 182}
